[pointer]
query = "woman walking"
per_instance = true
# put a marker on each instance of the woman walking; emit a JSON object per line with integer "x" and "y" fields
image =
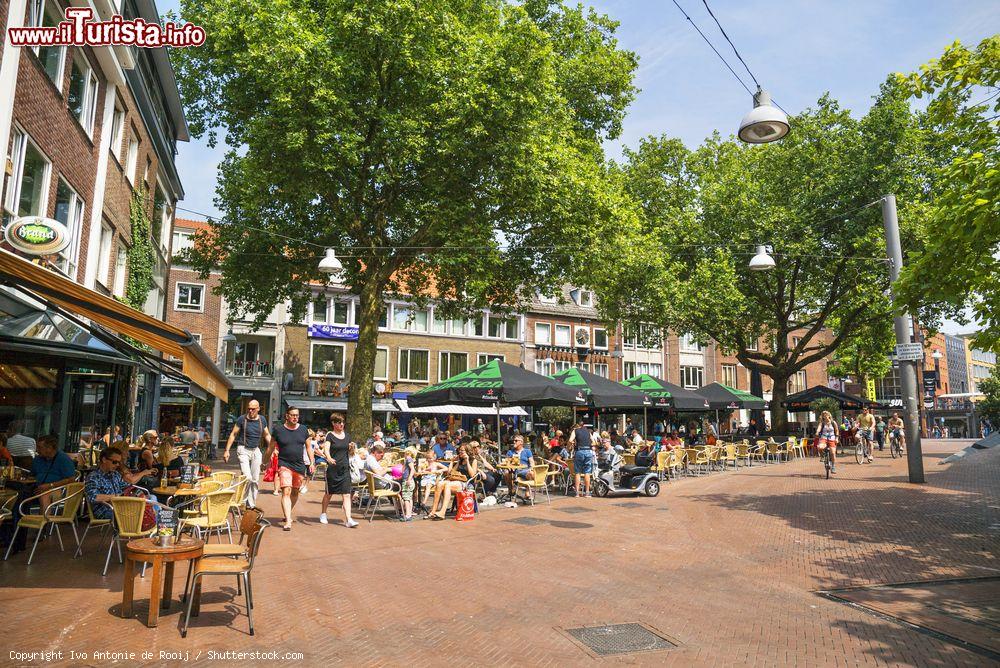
{"x": 826, "y": 437}
{"x": 336, "y": 450}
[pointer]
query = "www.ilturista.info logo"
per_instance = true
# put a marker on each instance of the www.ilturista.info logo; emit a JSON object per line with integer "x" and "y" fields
{"x": 79, "y": 30}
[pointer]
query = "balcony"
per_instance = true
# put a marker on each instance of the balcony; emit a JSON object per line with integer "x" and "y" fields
{"x": 250, "y": 369}
{"x": 250, "y": 357}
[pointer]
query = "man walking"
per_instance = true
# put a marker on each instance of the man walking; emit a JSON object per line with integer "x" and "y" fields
{"x": 252, "y": 432}
{"x": 294, "y": 450}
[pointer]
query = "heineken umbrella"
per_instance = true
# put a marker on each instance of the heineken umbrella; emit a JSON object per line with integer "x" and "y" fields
{"x": 497, "y": 384}
{"x": 800, "y": 401}
{"x": 722, "y": 397}
{"x": 667, "y": 395}
{"x": 601, "y": 392}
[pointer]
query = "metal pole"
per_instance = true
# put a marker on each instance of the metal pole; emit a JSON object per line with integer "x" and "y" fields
{"x": 907, "y": 369}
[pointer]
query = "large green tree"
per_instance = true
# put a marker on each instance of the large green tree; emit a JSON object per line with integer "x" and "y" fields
{"x": 810, "y": 196}
{"x": 443, "y": 143}
{"x": 959, "y": 266}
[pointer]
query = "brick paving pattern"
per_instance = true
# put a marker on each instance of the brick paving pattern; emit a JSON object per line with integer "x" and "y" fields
{"x": 730, "y": 572}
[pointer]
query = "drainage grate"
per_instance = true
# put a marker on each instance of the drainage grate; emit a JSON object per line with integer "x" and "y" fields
{"x": 620, "y": 639}
{"x": 527, "y": 521}
{"x": 575, "y": 509}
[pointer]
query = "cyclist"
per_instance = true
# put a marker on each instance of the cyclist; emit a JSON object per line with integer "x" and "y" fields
{"x": 866, "y": 429}
{"x": 827, "y": 433}
{"x": 896, "y": 429}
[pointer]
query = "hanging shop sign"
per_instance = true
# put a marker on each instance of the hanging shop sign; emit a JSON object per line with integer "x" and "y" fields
{"x": 36, "y": 235}
{"x": 339, "y": 332}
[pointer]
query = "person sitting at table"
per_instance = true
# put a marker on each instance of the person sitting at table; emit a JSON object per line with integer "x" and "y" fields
{"x": 434, "y": 470}
{"x": 50, "y": 468}
{"x": 147, "y": 460}
{"x": 442, "y": 446}
{"x": 487, "y": 472}
{"x": 6, "y": 459}
{"x": 373, "y": 464}
{"x": 644, "y": 456}
{"x": 109, "y": 480}
{"x": 525, "y": 460}
{"x": 454, "y": 482}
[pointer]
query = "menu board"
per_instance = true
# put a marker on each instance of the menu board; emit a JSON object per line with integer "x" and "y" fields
{"x": 167, "y": 519}
{"x": 187, "y": 474}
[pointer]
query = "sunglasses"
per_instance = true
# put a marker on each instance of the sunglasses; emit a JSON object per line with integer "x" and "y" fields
{"x": 116, "y": 462}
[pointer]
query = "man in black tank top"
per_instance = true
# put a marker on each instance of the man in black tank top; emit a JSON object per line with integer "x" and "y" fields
{"x": 583, "y": 457}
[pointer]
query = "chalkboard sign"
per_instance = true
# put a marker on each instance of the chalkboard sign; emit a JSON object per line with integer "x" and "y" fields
{"x": 167, "y": 519}
{"x": 187, "y": 474}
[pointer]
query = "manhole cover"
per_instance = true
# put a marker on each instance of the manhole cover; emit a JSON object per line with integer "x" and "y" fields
{"x": 630, "y": 504}
{"x": 575, "y": 509}
{"x": 527, "y": 521}
{"x": 560, "y": 524}
{"x": 620, "y": 639}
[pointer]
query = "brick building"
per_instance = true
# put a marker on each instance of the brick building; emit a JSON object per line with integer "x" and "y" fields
{"x": 563, "y": 331}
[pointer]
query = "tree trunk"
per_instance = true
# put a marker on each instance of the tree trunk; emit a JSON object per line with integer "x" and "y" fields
{"x": 779, "y": 415}
{"x": 359, "y": 401}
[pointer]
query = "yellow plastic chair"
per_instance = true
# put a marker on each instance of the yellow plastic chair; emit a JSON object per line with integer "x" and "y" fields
{"x": 678, "y": 458}
{"x": 128, "y": 512}
{"x": 715, "y": 457}
{"x": 540, "y": 481}
{"x": 699, "y": 458}
{"x": 797, "y": 447}
{"x": 7, "y": 500}
{"x": 216, "y": 505}
{"x": 378, "y": 495}
{"x": 743, "y": 452}
{"x": 731, "y": 456}
{"x": 662, "y": 464}
{"x": 63, "y": 509}
{"x": 239, "y": 497}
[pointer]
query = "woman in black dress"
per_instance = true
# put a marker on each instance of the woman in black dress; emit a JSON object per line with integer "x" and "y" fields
{"x": 338, "y": 469}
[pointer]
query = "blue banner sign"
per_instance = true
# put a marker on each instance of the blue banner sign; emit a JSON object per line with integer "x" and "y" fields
{"x": 340, "y": 332}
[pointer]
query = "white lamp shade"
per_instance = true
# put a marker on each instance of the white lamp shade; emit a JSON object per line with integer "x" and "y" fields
{"x": 765, "y": 123}
{"x": 330, "y": 264}
{"x": 761, "y": 261}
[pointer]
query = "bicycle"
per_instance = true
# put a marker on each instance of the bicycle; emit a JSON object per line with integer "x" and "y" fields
{"x": 825, "y": 458}
{"x": 862, "y": 447}
{"x": 895, "y": 446}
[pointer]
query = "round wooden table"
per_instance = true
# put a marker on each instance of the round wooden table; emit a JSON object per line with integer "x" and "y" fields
{"x": 163, "y": 559}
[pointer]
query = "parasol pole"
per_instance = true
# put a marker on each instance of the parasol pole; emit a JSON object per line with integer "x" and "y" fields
{"x": 499, "y": 451}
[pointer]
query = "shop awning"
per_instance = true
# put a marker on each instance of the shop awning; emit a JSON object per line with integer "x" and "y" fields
{"x": 452, "y": 409}
{"x": 75, "y": 298}
{"x": 334, "y": 404}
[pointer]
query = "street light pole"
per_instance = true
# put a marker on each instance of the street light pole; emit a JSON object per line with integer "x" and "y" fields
{"x": 907, "y": 369}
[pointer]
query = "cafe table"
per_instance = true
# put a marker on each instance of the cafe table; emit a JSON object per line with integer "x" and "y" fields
{"x": 511, "y": 467}
{"x": 163, "y": 559}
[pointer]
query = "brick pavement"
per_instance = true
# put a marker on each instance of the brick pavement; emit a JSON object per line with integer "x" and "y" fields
{"x": 727, "y": 564}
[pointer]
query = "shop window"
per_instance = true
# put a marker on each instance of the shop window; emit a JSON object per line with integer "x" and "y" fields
{"x": 326, "y": 359}
{"x": 45, "y": 14}
{"x": 189, "y": 297}
{"x": 29, "y": 185}
{"x": 82, "y": 96}
{"x": 452, "y": 364}
{"x": 413, "y": 365}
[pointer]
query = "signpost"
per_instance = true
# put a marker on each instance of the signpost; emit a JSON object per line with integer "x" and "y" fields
{"x": 909, "y": 352}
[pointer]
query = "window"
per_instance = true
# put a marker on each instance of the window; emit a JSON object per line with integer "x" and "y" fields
{"x": 601, "y": 370}
{"x": 408, "y": 319}
{"x": 543, "y": 367}
{"x": 477, "y": 325}
{"x": 383, "y": 318}
{"x": 600, "y": 338}
{"x": 729, "y": 375}
{"x": 585, "y": 298}
{"x": 692, "y": 377}
{"x": 643, "y": 336}
{"x": 689, "y": 343}
{"x": 117, "y": 128}
{"x": 381, "y": 371}
{"x": 458, "y": 326}
{"x": 42, "y": 14}
{"x": 797, "y": 383}
{"x": 121, "y": 264}
{"x": 161, "y": 217}
{"x": 418, "y": 321}
{"x": 189, "y": 297}
{"x": 560, "y": 366}
{"x": 104, "y": 260}
{"x": 563, "y": 335}
{"x": 413, "y": 365}
{"x": 512, "y": 328}
{"x": 543, "y": 333}
{"x": 319, "y": 308}
{"x": 29, "y": 185}
{"x": 452, "y": 364}
{"x": 496, "y": 327}
{"x": 795, "y": 341}
{"x": 548, "y": 299}
{"x": 197, "y": 338}
{"x": 583, "y": 366}
{"x": 438, "y": 325}
{"x": 132, "y": 156}
{"x": 326, "y": 359}
{"x": 752, "y": 345}
{"x": 653, "y": 369}
{"x": 183, "y": 239}
{"x": 82, "y": 97}
{"x": 69, "y": 212}
{"x": 341, "y": 312}
{"x": 486, "y": 358}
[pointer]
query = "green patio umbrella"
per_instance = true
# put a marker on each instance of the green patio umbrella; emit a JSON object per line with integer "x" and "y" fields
{"x": 601, "y": 392}
{"x": 721, "y": 397}
{"x": 666, "y": 395}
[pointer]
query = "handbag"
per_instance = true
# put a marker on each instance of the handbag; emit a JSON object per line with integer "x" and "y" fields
{"x": 272, "y": 470}
{"x": 456, "y": 476}
{"x": 149, "y": 513}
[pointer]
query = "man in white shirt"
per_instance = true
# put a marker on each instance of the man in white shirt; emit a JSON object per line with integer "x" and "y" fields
{"x": 19, "y": 444}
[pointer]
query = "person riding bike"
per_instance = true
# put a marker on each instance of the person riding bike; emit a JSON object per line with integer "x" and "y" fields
{"x": 896, "y": 429}
{"x": 866, "y": 430}
{"x": 827, "y": 434}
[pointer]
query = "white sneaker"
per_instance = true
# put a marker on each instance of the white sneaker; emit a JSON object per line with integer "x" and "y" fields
{"x": 322, "y": 519}
{"x": 303, "y": 489}
{"x": 351, "y": 524}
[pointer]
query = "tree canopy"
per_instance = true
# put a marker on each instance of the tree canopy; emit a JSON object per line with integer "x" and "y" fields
{"x": 959, "y": 265}
{"x": 440, "y": 143}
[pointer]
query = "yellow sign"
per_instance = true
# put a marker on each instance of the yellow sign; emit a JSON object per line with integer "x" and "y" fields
{"x": 870, "y": 389}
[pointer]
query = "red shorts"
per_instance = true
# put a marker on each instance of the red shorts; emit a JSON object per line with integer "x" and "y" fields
{"x": 821, "y": 442}
{"x": 289, "y": 478}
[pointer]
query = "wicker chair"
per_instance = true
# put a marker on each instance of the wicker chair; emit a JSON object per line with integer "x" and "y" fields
{"x": 540, "y": 481}
{"x": 376, "y": 495}
{"x": 128, "y": 512}
{"x": 216, "y": 505}
{"x": 241, "y": 567}
{"x": 225, "y": 477}
{"x": 92, "y": 523}
{"x": 62, "y": 510}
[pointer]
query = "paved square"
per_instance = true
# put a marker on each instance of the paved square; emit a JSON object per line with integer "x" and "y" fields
{"x": 731, "y": 573}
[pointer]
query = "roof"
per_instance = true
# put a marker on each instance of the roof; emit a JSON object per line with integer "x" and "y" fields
{"x": 189, "y": 224}
{"x": 567, "y": 306}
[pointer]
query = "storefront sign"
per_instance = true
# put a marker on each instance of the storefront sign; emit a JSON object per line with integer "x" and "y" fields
{"x": 35, "y": 235}
{"x": 339, "y": 332}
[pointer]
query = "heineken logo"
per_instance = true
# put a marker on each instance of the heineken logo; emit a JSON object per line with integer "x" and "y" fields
{"x": 36, "y": 235}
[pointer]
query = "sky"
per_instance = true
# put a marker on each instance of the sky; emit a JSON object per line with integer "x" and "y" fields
{"x": 797, "y": 49}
